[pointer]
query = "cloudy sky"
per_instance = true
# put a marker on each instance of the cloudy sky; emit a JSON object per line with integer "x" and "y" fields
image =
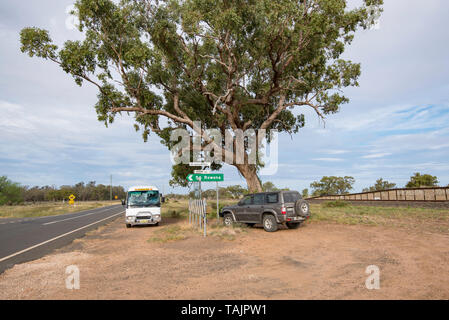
{"x": 397, "y": 122}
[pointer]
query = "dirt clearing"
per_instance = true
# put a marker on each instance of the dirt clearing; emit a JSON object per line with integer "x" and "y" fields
{"x": 320, "y": 260}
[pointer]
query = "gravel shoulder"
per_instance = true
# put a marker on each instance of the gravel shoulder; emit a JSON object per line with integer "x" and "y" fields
{"x": 320, "y": 260}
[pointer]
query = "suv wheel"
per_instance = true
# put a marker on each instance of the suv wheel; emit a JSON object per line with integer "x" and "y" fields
{"x": 228, "y": 220}
{"x": 269, "y": 223}
{"x": 128, "y": 225}
{"x": 293, "y": 225}
{"x": 302, "y": 208}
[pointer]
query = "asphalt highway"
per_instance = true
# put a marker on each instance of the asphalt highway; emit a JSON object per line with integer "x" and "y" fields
{"x": 28, "y": 239}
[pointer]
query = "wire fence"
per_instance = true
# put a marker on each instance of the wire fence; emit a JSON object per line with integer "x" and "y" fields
{"x": 433, "y": 194}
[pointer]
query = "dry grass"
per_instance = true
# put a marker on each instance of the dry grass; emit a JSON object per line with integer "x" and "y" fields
{"x": 418, "y": 219}
{"x": 180, "y": 210}
{"x": 432, "y": 220}
{"x": 50, "y": 208}
{"x": 217, "y": 229}
{"x": 170, "y": 233}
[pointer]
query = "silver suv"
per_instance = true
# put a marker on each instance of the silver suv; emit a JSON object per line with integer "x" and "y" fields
{"x": 270, "y": 209}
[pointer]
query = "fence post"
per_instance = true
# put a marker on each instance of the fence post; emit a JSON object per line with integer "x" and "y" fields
{"x": 196, "y": 213}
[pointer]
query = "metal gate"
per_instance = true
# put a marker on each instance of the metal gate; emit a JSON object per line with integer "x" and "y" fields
{"x": 198, "y": 214}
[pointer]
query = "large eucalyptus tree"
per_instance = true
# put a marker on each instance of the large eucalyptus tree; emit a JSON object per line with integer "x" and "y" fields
{"x": 231, "y": 64}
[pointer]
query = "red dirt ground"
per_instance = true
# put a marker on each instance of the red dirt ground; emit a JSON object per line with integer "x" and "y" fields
{"x": 316, "y": 261}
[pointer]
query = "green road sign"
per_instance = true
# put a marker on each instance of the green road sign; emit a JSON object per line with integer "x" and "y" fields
{"x": 206, "y": 177}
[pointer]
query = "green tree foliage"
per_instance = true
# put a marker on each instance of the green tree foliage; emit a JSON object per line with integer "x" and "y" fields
{"x": 236, "y": 191}
{"x": 230, "y": 64}
{"x": 305, "y": 193}
{"x": 269, "y": 186}
{"x": 422, "y": 180}
{"x": 230, "y": 192}
{"x": 10, "y": 192}
{"x": 332, "y": 185}
{"x": 380, "y": 185}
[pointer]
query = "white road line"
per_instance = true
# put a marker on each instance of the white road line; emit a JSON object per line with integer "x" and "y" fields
{"x": 55, "y": 238}
{"x": 85, "y": 215}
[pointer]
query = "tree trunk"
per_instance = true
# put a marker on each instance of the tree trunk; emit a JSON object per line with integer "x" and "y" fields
{"x": 249, "y": 172}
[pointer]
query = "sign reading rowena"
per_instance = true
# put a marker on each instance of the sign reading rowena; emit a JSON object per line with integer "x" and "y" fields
{"x": 210, "y": 177}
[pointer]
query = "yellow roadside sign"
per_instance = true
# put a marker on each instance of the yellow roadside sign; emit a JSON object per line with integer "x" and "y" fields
{"x": 72, "y": 197}
{"x": 116, "y": 197}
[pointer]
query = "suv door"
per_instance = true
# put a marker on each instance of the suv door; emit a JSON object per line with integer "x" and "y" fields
{"x": 255, "y": 210}
{"x": 241, "y": 213}
{"x": 272, "y": 201}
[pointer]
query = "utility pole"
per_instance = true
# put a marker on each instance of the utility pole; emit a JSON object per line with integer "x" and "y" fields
{"x": 110, "y": 189}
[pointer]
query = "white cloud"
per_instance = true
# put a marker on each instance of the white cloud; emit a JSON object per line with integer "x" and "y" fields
{"x": 376, "y": 155}
{"x": 336, "y": 151}
{"x": 328, "y": 159}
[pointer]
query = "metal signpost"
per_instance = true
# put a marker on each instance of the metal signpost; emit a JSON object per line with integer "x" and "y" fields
{"x": 205, "y": 177}
{"x": 197, "y": 210}
{"x": 218, "y": 210}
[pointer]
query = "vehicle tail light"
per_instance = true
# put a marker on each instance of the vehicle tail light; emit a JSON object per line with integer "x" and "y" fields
{"x": 283, "y": 210}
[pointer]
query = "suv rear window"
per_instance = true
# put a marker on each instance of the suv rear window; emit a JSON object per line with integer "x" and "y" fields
{"x": 291, "y": 197}
{"x": 272, "y": 198}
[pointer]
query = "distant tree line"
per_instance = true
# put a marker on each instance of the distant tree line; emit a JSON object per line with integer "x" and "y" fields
{"x": 13, "y": 193}
{"x": 343, "y": 185}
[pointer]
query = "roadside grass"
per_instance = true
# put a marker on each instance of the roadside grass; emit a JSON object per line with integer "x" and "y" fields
{"x": 432, "y": 220}
{"x": 179, "y": 209}
{"x": 50, "y": 209}
{"x": 219, "y": 230}
{"x": 170, "y": 233}
{"x": 339, "y": 212}
{"x": 336, "y": 204}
